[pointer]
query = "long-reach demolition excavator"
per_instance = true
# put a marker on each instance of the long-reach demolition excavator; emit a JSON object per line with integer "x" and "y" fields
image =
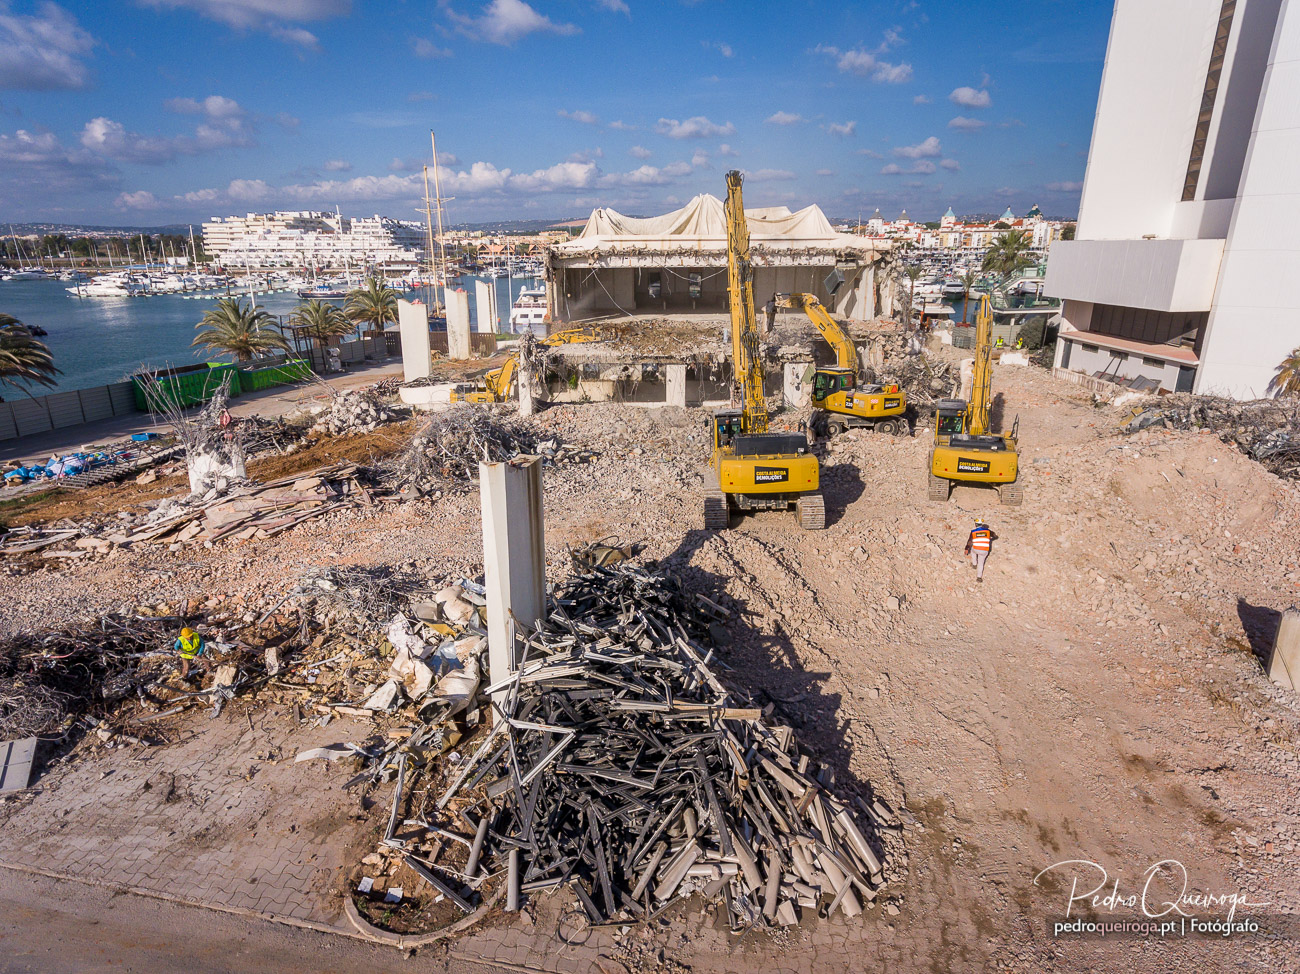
{"x": 495, "y": 386}
{"x": 839, "y": 402}
{"x": 754, "y": 470}
{"x": 965, "y": 451}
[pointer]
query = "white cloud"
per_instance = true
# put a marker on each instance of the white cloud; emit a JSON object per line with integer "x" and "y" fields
{"x": 506, "y": 21}
{"x": 419, "y": 96}
{"x": 248, "y": 190}
{"x": 922, "y": 150}
{"x": 921, "y": 100}
{"x": 922, "y": 167}
{"x": 140, "y": 200}
{"x": 769, "y": 175}
{"x": 699, "y": 159}
{"x": 726, "y": 50}
{"x": 726, "y": 150}
{"x": 697, "y": 127}
{"x": 783, "y": 118}
{"x": 952, "y": 165}
{"x": 1065, "y": 187}
{"x": 970, "y": 97}
{"x": 870, "y": 153}
{"x": 112, "y": 140}
{"x": 214, "y": 106}
{"x": 338, "y": 165}
{"x": 614, "y": 6}
{"x": 825, "y": 172}
{"x": 964, "y": 124}
{"x": 425, "y": 48}
{"x": 586, "y": 118}
{"x": 639, "y": 152}
{"x": 620, "y": 126}
{"x": 42, "y": 51}
{"x": 200, "y": 196}
{"x": 562, "y": 175}
{"x": 865, "y": 64}
{"x": 847, "y": 128}
{"x": 274, "y": 17}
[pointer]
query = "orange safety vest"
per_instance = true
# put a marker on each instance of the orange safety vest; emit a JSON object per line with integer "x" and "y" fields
{"x": 981, "y": 539}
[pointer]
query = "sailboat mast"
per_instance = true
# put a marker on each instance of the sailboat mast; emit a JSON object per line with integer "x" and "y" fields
{"x": 442, "y": 246}
{"x": 428, "y": 229}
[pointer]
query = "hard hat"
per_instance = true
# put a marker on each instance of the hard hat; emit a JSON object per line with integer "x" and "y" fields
{"x": 187, "y": 632}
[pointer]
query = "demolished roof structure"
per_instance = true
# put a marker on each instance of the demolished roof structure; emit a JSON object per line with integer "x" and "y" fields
{"x": 677, "y": 262}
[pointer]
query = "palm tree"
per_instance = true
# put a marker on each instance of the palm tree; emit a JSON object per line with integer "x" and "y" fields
{"x": 375, "y": 304}
{"x": 1009, "y": 253}
{"x": 1286, "y": 382}
{"x": 321, "y": 322}
{"x": 239, "y": 330}
{"x": 968, "y": 280}
{"x": 22, "y": 358}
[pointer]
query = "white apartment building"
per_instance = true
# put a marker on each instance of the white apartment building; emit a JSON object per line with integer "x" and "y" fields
{"x": 1185, "y": 252}
{"x": 309, "y": 238}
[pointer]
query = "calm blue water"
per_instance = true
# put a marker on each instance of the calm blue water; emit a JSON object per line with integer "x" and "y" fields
{"x": 96, "y": 341}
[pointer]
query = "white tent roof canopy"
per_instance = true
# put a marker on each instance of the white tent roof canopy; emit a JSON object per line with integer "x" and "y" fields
{"x": 702, "y": 225}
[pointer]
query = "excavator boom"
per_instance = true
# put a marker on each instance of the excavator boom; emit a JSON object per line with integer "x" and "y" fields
{"x": 746, "y": 346}
{"x": 846, "y": 354}
{"x": 981, "y": 390}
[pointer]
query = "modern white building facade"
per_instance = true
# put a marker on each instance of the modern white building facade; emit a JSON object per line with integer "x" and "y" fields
{"x": 1185, "y": 249}
{"x": 310, "y": 238}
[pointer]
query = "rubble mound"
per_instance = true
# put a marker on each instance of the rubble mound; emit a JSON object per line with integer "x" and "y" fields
{"x": 1266, "y": 430}
{"x": 354, "y": 411}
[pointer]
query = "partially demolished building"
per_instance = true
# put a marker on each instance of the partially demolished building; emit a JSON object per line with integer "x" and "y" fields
{"x": 677, "y": 263}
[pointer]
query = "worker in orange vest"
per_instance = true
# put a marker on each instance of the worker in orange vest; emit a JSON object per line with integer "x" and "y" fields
{"x": 978, "y": 546}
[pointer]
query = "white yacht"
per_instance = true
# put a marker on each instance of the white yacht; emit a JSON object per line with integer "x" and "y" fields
{"x": 528, "y": 313}
{"x": 110, "y": 286}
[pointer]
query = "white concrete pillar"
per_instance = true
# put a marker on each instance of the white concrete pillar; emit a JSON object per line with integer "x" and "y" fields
{"x": 514, "y": 558}
{"x": 485, "y": 306}
{"x": 1284, "y": 659}
{"x": 797, "y": 392}
{"x": 967, "y": 378}
{"x": 458, "y": 345}
{"x": 413, "y": 324}
{"x": 676, "y": 386}
{"x": 524, "y": 382}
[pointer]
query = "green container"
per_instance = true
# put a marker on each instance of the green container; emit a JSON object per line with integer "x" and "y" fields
{"x": 254, "y": 380}
{"x": 190, "y": 386}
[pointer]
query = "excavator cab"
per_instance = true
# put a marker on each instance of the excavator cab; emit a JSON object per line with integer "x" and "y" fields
{"x": 829, "y": 381}
{"x": 726, "y": 427}
{"x": 949, "y": 419}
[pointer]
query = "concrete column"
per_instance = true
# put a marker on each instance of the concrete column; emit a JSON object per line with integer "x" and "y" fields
{"x": 1284, "y": 659}
{"x": 458, "y": 324}
{"x": 413, "y": 324}
{"x": 967, "y": 378}
{"x": 524, "y": 382}
{"x": 514, "y": 558}
{"x": 485, "y": 306}
{"x": 797, "y": 392}
{"x": 676, "y": 386}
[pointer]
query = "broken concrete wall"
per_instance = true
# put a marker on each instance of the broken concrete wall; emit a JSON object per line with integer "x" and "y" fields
{"x": 458, "y": 344}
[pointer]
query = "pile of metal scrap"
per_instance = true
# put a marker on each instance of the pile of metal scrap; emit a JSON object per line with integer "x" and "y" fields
{"x": 1266, "y": 430}
{"x": 448, "y": 450}
{"x": 620, "y": 766}
{"x": 923, "y": 378}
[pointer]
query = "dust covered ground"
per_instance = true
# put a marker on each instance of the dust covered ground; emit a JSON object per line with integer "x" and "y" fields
{"x": 1098, "y": 698}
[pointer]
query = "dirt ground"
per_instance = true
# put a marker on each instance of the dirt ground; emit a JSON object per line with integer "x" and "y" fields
{"x": 1098, "y": 698}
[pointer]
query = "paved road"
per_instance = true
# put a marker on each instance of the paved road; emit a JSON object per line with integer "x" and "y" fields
{"x": 53, "y": 927}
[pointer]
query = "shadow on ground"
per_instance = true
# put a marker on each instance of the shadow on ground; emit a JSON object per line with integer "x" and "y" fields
{"x": 1259, "y": 623}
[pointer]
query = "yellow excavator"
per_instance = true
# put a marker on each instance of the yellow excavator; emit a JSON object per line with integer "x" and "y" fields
{"x": 839, "y": 402}
{"x": 752, "y": 469}
{"x": 495, "y": 386}
{"x": 965, "y": 451}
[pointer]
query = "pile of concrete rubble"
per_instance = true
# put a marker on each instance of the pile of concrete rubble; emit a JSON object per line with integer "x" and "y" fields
{"x": 1266, "y": 430}
{"x": 355, "y": 411}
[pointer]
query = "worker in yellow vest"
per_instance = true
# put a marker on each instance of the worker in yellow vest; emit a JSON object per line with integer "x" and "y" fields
{"x": 189, "y": 646}
{"x": 978, "y": 546}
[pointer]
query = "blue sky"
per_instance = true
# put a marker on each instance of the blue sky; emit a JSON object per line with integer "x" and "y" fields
{"x": 160, "y": 111}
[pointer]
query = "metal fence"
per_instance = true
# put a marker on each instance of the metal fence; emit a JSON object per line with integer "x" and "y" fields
{"x": 59, "y": 410}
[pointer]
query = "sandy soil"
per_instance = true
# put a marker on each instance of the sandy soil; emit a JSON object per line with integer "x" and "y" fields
{"x": 1099, "y": 697}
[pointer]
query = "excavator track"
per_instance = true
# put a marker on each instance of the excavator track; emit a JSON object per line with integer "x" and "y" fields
{"x": 938, "y": 489}
{"x": 716, "y": 515}
{"x": 1013, "y": 495}
{"x": 811, "y": 511}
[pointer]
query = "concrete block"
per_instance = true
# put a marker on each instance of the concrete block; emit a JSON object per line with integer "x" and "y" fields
{"x": 676, "y": 395}
{"x": 514, "y": 557}
{"x": 1284, "y": 659}
{"x": 458, "y": 346}
{"x": 413, "y": 324}
{"x": 485, "y": 307}
{"x": 797, "y": 392}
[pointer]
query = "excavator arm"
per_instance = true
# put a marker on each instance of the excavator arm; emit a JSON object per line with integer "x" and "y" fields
{"x": 981, "y": 390}
{"x": 746, "y": 345}
{"x": 846, "y": 354}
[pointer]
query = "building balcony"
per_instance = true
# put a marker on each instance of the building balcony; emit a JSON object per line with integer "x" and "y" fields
{"x": 1158, "y": 275}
